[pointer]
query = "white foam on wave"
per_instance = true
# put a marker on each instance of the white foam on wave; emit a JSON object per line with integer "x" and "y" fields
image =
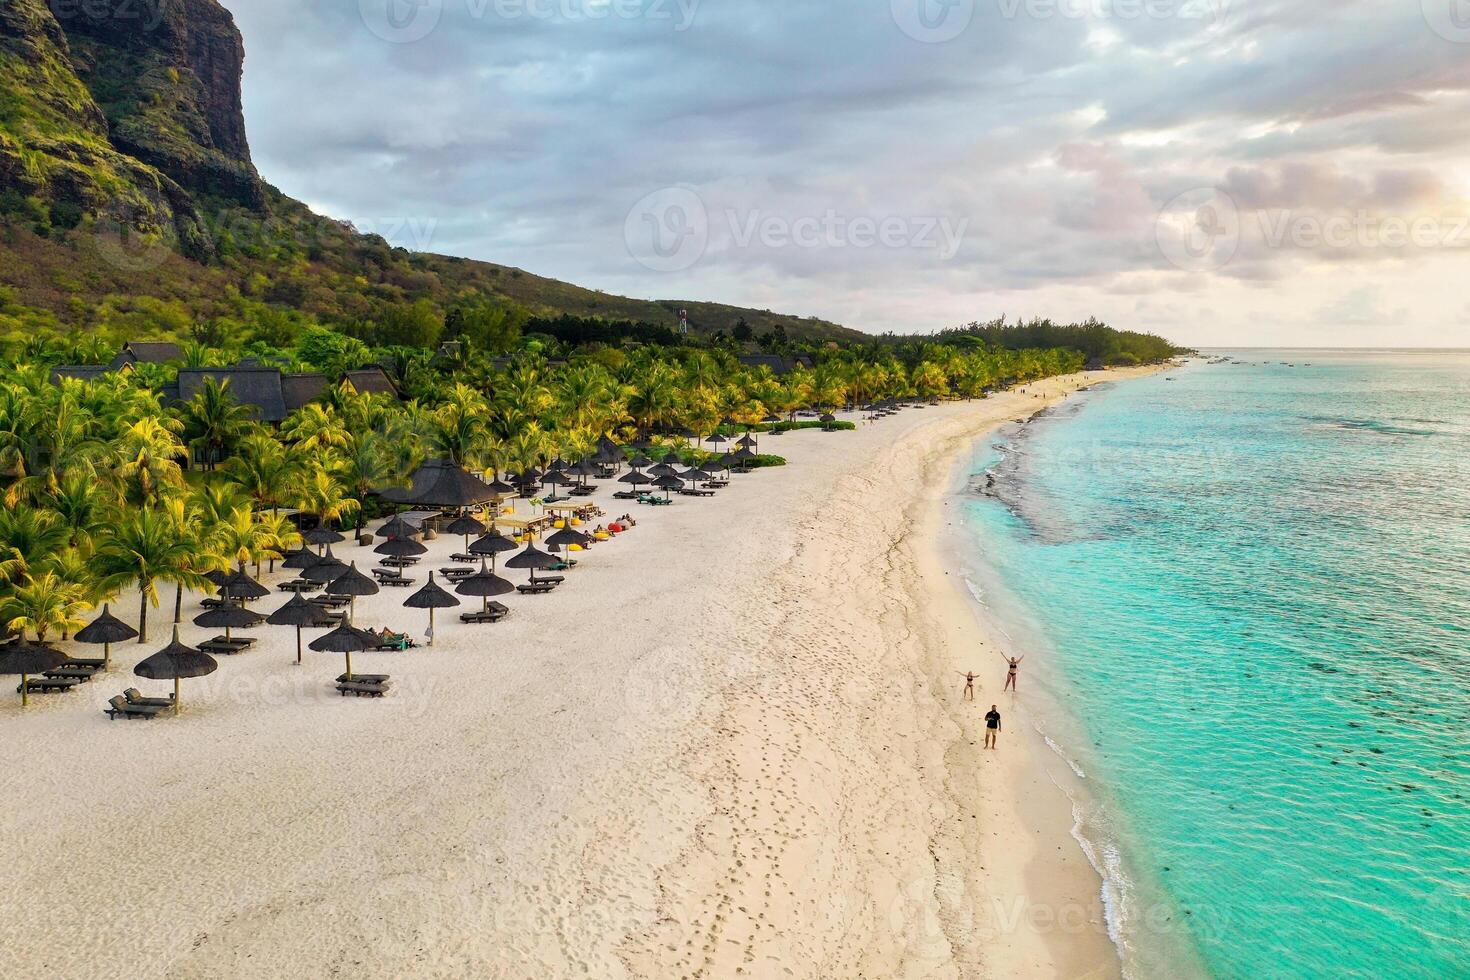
{"x": 1071, "y": 763}
{"x": 1107, "y": 860}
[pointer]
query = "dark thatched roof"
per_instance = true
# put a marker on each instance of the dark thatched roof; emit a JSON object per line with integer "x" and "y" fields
{"x": 777, "y": 364}
{"x": 148, "y": 352}
{"x": 255, "y": 386}
{"x": 371, "y": 381}
{"x": 441, "y": 483}
{"x": 78, "y": 372}
{"x": 299, "y": 390}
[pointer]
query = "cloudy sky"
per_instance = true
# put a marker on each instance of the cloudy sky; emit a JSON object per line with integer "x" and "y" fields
{"x": 1226, "y": 172}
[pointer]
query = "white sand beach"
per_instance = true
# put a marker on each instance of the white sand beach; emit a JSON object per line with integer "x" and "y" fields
{"x": 732, "y": 744}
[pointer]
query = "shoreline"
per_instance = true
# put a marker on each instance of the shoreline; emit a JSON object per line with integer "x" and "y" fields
{"x": 729, "y": 746}
{"x": 1040, "y": 903}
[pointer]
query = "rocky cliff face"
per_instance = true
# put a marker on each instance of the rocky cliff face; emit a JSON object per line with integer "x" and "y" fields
{"x": 125, "y": 110}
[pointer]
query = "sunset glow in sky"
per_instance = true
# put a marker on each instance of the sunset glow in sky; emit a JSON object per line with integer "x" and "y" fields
{"x": 1225, "y": 172}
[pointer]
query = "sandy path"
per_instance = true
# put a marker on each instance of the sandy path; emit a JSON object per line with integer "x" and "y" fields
{"x": 719, "y": 750}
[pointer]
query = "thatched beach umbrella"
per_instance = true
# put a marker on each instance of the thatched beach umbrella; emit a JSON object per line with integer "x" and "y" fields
{"x": 566, "y": 537}
{"x": 492, "y": 545}
{"x": 352, "y": 584}
{"x": 400, "y": 548}
{"x": 534, "y": 560}
{"x": 322, "y": 536}
{"x": 300, "y": 613}
{"x": 828, "y": 420}
{"x": 299, "y": 559}
{"x": 397, "y": 527}
{"x": 106, "y": 629}
{"x": 484, "y": 585}
{"x": 228, "y": 617}
{"x": 243, "y": 588}
{"x": 431, "y": 597}
{"x": 668, "y": 484}
{"x": 175, "y": 662}
{"x": 219, "y": 576}
{"x": 25, "y": 658}
{"x": 347, "y": 640}
{"x": 640, "y": 462}
{"x": 465, "y": 525}
{"x": 324, "y": 569}
{"x": 636, "y": 478}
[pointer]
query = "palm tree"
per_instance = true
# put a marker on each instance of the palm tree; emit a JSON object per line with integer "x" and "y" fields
{"x": 148, "y": 452}
{"x": 81, "y": 505}
{"x": 28, "y": 536}
{"x": 214, "y": 420}
{"x": 147, "y": 547}
{"x": 264, "y": 470}
{"x": 322, "y": 494}
{"x": 313, "y": 427}
{"x": 43, "y": 604}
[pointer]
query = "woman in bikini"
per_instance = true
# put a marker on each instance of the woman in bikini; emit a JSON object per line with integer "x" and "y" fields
{"x": 1013, "y": 665}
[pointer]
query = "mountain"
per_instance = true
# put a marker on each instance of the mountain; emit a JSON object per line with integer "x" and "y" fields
{"x": 126, "y": 183}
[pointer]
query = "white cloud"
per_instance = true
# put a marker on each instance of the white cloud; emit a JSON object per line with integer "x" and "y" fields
{"x": 526, "y": 139}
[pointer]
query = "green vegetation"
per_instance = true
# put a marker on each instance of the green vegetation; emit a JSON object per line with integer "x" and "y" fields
{"x": 1097, "y": 342}
{"x": 100, "y": 494}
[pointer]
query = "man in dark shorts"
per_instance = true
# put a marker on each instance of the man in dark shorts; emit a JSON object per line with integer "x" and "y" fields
{"x": 992, "y": 726}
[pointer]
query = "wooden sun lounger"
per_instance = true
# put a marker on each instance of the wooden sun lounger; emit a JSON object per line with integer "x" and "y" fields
{"x": 79, "y": 674}
{"x": 465, "y": 559}
{"x": 537, "y": 588}
{"x": 481, "y": 618}
{"x": 135, "y": 697}
{"x": 364, "y": 679}
{"x": 687, "y": 492}
{"x": 331, "y": 601}
{"x": 47, "y": 685}
{"x": 80, "y": 663}
{"x": 586, "y": 491}
{"x": 118, "y": 707}
{"x": 363, "y": 689}
{"x": 627, "y": 495}
{"x": 243, "y": 642}
{"x": 400, "y": 562}
{"x": 300, "y": 586}
{"x": 391, "y": 579}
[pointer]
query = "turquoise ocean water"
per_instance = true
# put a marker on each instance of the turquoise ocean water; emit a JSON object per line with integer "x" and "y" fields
{"x": 1247, "y": 593}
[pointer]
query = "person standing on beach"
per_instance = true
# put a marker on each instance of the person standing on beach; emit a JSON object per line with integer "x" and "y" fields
{"x": 970, "y": 686}
{"x": 1014, "y": 665}
{"x": 992, "y": 726}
